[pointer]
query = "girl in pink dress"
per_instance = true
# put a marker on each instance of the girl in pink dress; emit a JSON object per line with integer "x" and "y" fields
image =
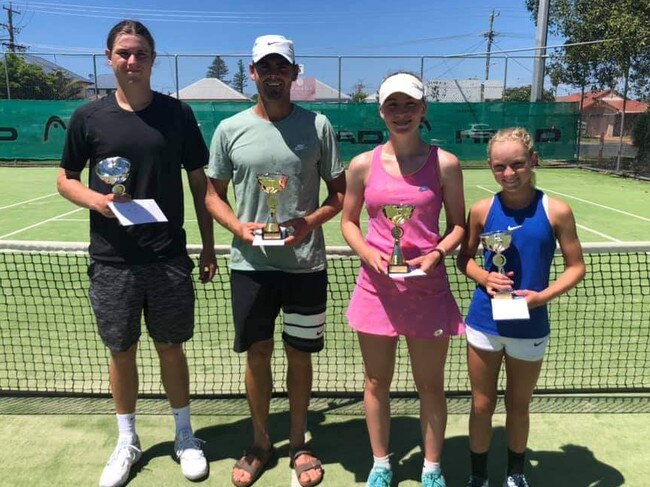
{"x": 405, "y": 170}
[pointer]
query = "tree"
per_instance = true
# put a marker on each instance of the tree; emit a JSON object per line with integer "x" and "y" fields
{"x": 522, "y": 93}
{"x": 29, "y": 82}
{"x": 66, "y": 88}
{"x": 359, "y": 93}
{"x": 625, "y": 53}
{"x": 218, "y": 69}
{"x": 240, "y": 78}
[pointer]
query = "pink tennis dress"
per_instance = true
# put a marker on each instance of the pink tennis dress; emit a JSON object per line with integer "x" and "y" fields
{"x": 419, "y": 307}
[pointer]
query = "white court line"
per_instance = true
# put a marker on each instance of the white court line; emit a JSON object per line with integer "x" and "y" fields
{"x": 598, "y": 233}
{"x": 27, "y": 201}
{"x": 595, "y": 232}
{"x": 40, "y": 223}
{"x": 597, "y": 204}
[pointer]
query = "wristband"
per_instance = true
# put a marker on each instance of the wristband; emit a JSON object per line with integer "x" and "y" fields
{"x": 443, "y": 252}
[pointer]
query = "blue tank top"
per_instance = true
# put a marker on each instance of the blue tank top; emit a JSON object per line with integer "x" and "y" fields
{"x": 529, "y": 256}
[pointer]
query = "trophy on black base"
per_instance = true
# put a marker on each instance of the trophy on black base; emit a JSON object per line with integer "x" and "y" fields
{"x": 272, "y": 184}
{"x": 398, "y": 215}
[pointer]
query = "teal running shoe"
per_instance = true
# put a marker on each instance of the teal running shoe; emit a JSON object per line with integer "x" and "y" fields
{"x": 380, "y": 477}
{"x": 433, "y": 479}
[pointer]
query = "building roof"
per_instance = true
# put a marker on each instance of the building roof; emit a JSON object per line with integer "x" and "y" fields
{"x": 608, "y": 98}
{"x": 210, "y": 89}
{"x": 50, "y": 67}
{"x": 105, "y": 82}
{"x": 312, "y": 89}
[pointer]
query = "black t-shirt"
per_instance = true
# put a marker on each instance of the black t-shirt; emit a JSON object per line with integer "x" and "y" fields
{"x": 158, "y": 141}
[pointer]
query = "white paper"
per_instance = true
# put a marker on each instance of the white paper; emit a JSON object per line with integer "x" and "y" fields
{"x": 412, "y": 273}
{"x": 258, "y": 241}
{"x": 136, "y": 212}
{"x": 510, "y": 309}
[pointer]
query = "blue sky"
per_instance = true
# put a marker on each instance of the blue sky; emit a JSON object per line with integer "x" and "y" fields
{"x": 198, "y": 30}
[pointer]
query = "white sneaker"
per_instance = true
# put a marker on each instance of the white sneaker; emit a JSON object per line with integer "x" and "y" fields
{"x": 190, "y": 455}
{"x": 117, "y": 469}
{"x": 515, "y": 480}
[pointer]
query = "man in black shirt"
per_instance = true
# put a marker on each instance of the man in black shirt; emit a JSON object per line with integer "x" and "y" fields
{"x": 141, "y": 268}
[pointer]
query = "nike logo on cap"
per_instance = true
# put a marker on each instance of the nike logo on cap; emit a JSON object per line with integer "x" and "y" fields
{"x": 537, "y": 344}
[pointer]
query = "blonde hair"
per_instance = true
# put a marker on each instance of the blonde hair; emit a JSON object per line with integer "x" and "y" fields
{"x": 512, "y": 134}
{"x": 515, "y": 134}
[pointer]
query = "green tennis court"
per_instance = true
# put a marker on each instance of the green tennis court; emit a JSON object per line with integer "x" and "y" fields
{"x": 50, "y": 349}
{"x": 607, "y": 209}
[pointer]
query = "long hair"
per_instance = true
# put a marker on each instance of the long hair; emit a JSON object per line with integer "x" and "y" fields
{"x": 132, "y": 27}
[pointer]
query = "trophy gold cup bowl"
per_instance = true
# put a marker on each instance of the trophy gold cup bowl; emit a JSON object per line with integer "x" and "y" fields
{"x": 114, "y": 171}
{"x": 272, "y": 183}
{"x": 498, "y": 242}
{"x": 397, "y": 215}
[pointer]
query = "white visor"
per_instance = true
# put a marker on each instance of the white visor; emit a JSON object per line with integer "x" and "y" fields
{"x": 401, "y": 83}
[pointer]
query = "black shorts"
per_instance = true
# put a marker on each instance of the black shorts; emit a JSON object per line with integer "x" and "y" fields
{"x": 258, "y": 297}
{"x": 120, "y": 293}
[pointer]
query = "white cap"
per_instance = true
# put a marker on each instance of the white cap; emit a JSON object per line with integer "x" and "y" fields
{"x": 401, "y": 83}
{"x": 273, "y": 44}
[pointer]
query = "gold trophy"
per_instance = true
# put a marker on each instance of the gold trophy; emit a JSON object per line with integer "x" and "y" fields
{"x": 114, "y": 171}
{"x": 272, "y": 183}
{"x": 398, "y": 215}
{"x": 498, "y": 242}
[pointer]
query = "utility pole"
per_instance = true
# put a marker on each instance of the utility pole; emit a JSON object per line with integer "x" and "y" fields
{"x": 10, "y": 28}
{"x": 489, "y": 35}
{"x": 537, "y": 88}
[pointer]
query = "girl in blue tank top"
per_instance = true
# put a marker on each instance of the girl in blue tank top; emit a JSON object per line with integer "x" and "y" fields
{"x": 536, "y": 222}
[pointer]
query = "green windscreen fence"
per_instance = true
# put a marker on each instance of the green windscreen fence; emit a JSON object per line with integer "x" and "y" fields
{"x": 35, "y": 130}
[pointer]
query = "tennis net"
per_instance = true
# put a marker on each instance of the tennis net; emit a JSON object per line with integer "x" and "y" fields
{"x": 600, "y": 338}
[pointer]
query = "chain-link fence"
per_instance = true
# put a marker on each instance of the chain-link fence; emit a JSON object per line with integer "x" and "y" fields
{"x": 602, "y": 134}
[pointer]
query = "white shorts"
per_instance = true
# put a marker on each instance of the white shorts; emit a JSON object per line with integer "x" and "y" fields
{"x": 528, "y": 349}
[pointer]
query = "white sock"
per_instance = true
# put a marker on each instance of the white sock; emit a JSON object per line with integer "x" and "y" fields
{"x": 431, "y": 467}
{"x": 383, "y": 462}
{"x": 126, "y": 427}
{"x": 182, "y": 419}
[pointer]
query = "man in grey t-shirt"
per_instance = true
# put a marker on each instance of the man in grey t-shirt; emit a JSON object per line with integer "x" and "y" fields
{"x": 276, "y": 136}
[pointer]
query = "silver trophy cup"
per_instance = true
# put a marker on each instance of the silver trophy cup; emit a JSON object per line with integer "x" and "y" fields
{"x": 272, "y": 183}
{"x": 114, "y": 171}
{"x": 498, "y": 242}
{"x": 398, "y": 215}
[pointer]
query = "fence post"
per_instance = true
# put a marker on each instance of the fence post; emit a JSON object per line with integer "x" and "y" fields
{"x": 176, "y": 75}
{"x": 7, "y": 75}
{"x": 622, "y": 127}
{"x": 95, "y": 74}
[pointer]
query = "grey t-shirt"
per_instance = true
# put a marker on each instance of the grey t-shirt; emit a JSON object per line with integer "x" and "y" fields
{"x": 302, "y": 146}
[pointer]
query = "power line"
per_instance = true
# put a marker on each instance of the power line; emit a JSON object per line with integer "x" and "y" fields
{"x": 489, "y": 35}
{"x": 11, "y": 29}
